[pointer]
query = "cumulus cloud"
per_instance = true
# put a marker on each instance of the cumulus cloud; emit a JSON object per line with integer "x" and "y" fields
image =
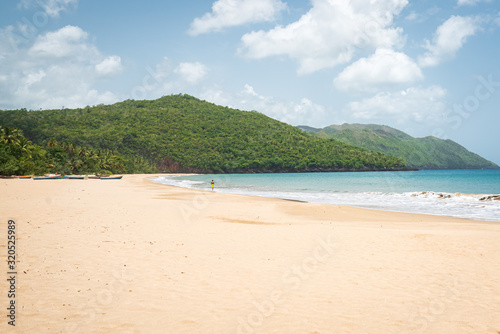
{"x": 34, "y": 77}
{"x": 67, "y": 41}
{"x": 414, "y": 104}
{"x": 229, "y": 13}
{"x": 51, "y": 7}
{"x": 109, "y": 66}
{"x": 218, "y": 96}
{"x": 448, "y": 39}
{"x": 470, "y": 2}
{"x": 52, "y": 86}
{"x": 192, "y": 72}
{"x": 304, "y": 111}
{"x": 57, "y": 68}
{"x": 330, "y": 33}
{"x": 168, "y": 77}
{"x": 385, "y": 67}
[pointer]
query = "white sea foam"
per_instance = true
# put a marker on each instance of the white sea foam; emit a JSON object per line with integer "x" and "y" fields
{"x": 472, "y": 206}
{"x": 177, "y": 182}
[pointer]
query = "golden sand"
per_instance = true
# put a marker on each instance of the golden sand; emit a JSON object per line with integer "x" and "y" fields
{"x": 132, "y": 256}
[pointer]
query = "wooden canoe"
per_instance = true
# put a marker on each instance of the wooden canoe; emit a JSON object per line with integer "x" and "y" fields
{"x": 111, "y": 177}
{"x": 46, "y": 177}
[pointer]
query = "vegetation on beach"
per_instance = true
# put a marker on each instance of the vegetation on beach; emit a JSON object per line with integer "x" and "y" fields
{"x": 19, "y": 156}
{"x": 421, "y": 153}
{"x": 176, "y": 133}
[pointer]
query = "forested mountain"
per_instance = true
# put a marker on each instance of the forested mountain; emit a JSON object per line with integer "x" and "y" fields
{"x": 422, "y": 153}
{"x": 180, "y": 133}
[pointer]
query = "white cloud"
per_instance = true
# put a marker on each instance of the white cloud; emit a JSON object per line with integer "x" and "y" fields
{"x": 384, "y": 68}
{"x": 50, "y": 7}
{"x": 330, "y": 33}
{"x": 470, "y": 2}
{"x": 35, "y": 77}
{"x": 54, "y": 69}
{"x": 448, "y": 39}
{"x": 421, "y": 17}
{"x": 229, "y": 13}
{"x": 7, "y": 41}
{"x": 296, "y": 113}
{"x": 109, "y": 66}
{"x": 411, "y": 105}
{"x": 167, "y": 77}
{"x": 413, "y": 16}
{"x": 53, "y": 86}
{"x": 192, "y": 72}
{"x": 217, "y": 96}
{"x": 67, "y": 41}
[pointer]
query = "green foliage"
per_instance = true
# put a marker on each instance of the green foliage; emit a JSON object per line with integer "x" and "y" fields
{"x": 182, "y": 133}
{"x": 19, "y": 156}
{"x": 423, "y": 153}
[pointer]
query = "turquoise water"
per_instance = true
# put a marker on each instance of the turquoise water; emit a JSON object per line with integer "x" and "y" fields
{"x": 455, "y": 193}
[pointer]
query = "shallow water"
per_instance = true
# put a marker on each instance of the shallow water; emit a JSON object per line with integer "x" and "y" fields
{"x": 455, "y": 193}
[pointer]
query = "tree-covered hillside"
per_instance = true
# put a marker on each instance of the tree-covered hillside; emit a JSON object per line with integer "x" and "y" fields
{"x": 423, "y": 153}
{"x": 19, "y": 156}
{"x": 181, "y": 133}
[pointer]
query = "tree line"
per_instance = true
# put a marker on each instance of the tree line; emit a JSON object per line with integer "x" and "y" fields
{"x": 179, "y": 133}
{"x": 19, "y": 156}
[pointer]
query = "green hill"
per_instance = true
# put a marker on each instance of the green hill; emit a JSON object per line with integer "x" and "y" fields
{"x": 422, "y": 153}
{"x": 180, "y": 133}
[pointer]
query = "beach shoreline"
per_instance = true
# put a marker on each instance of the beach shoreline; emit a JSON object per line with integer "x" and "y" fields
{"x": 135, "y": 256}
{"x": 416, "y": 193}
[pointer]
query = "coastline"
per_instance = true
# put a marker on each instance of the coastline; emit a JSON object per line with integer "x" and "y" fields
{"x": 422, "y": 192}
{"x": 134, "y": 256}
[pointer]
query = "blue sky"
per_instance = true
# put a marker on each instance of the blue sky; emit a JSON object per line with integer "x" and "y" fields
{"x": 424, "y": 67}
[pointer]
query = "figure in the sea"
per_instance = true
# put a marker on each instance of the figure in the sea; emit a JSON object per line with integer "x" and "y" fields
{"x": 212, "y": 185}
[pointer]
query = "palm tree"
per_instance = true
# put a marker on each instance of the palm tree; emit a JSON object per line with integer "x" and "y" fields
{"x": 25, "y": 144}
{"x": 10, "y": 136}
{"x": 75, "y": 165}
{"x": 109, "y": 161}
{"x": 69, "y": 148}
{"x": 83, "y": 152}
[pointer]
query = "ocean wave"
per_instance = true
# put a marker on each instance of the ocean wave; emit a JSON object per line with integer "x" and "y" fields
{"x": 453, "y": 196}
{"x": 174, "y": 181}
{"x": 460, "y": 205}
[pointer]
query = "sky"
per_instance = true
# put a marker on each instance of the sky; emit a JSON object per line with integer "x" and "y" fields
{"x": 424, "y": 67}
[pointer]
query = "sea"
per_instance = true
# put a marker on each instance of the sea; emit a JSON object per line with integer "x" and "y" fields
{"x": 461, "y": 193}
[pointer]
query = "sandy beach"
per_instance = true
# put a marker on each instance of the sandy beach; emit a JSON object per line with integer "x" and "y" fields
{"x": 133, "y": 256}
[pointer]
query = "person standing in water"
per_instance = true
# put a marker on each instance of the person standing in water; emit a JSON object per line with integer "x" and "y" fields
{"x": 212, "y": 185}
